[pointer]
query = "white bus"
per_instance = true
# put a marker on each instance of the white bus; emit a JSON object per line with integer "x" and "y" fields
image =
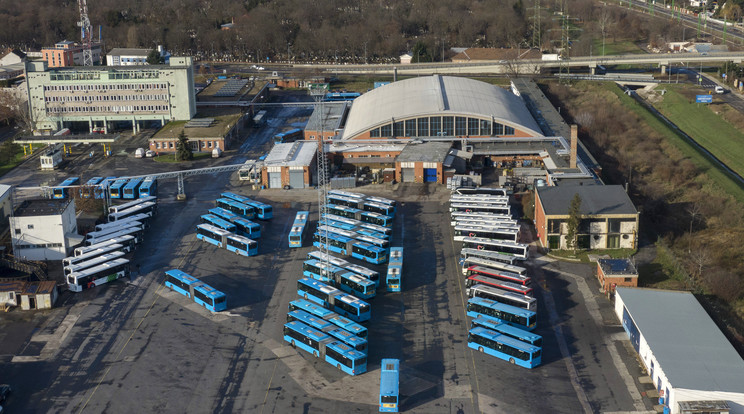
{"x": 479, "y": 261}
{"x": 98, "y": 275}
{"x": 120, "y": 207}
{"x": 325, "y": 257}
{"x": 479, "y": 199}
{"x": 135, "y": 232}
{"x": 99, "y": 234}
{"x": 486, "y": 232}
{"x": 148, "y": 208}
{"x": 519, "y": 250}
{"x": 93, "y": 262}
{"x": 481, "y": 190}
{"x": 109, "y": 248}
{"x": 467, "y": 253}
{"x": 141, "y": 218}
{"x": 510, "y": 224}
{"x": 477, "y": 215}
{"x": 503, "y": 296}
{"x": 484, "y": 207}
{"x": 127, "y": 242}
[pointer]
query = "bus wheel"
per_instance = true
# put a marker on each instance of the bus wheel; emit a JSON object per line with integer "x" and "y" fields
{"x": 480, "y": 349}
{"x": 512, "y": 360}
{"x": 293, "y": 344}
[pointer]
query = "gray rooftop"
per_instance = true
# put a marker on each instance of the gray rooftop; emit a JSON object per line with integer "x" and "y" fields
{"x": 617, "y": 267}
{"x": 691, "y": 350}
{"x": 595, "y": 200}
{"x": 547, "y": 147}
{"x": 333, "y": 116}
{"x": 425, "y": 152}
{"x": 292, "y": 154}
{"x": 122, "y": 51}
{"x": 434, "y": 95}
{"x": 41, "y": 207}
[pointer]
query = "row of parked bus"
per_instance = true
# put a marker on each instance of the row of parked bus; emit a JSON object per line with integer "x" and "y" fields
{"x": 101, "y": 258}
{"x": 197, "y": 291}
{"x": 99, "y": 187}
{"x": 501, "y": 300}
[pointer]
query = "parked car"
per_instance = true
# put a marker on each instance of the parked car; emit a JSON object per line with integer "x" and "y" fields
{"x": 720, "y": 90}
{"x": 149, "y": 153}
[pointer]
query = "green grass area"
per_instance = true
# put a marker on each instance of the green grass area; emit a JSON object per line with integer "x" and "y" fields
{"x": 171, "y": 158}
{"x": 706, "y": 164}
{"x": 619, "y": 47}
{"x": 583, "y": 255}
{"x": 707, "y": 128}
{"x": 10, "y": 156}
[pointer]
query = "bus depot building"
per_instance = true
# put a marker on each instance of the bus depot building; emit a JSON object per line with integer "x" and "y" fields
{"x": 689, "y": 360}
{"x": 44, "y": 229}
{"x": 290, "y": 165}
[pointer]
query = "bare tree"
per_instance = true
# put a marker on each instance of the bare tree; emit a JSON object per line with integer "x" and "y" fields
{"x": 14, "y": 107}
{"x": 604, "y": 21}
{"x": 694, "y": 210}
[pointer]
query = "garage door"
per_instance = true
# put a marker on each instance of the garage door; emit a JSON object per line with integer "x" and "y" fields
{"x": 297, "y": 179}
{"x": 430, "y": 175}
{"x": 407, "y": 174}
{"x": 275, "y": 180}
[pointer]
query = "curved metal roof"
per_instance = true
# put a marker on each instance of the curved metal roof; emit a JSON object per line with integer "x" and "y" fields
{"x": 436, "y": 95}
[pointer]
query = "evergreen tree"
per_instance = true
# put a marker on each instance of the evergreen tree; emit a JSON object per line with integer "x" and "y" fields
{"x": 183, "y": 151}
{"x": 574, "y": 219}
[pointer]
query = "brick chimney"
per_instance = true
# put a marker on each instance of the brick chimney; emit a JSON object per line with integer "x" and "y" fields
{"x": 574, "y": 145}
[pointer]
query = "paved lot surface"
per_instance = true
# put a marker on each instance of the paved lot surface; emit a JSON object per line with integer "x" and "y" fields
{"x": 132, "y": 346}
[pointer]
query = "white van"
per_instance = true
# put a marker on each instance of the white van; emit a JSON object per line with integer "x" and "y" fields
{"x": 720, "y": 90}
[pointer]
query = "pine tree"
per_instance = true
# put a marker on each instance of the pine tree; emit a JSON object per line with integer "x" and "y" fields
{"x": 183, "y": 151}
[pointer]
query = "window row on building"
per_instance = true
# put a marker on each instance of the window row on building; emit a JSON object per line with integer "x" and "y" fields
{"x": 95, "y": 98}
{"x": 112, "y": 108}
{"x": 432, "y": 126}
{"x": 95, "y": 75}
{"x": 106, "y": 87}
{"x": 170, "y": 144}
{"x": 37, "y": 246}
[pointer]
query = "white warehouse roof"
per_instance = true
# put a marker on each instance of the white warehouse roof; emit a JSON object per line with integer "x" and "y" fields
{"x": 292, "y": 154}
{"x": 691, "y": 350}
{"x": 432, "y": 95}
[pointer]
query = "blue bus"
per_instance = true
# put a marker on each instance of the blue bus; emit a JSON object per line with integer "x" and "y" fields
{"x": 116, "y": 189}
{"x": 374, "y": 241}
{"x": 236, "y": 207}
{"x": 241, "y": 245}
{"x": 350, "y": 221}
{"x": 196, "y": 290}
{"x": 332, "y": 298}
{"x": 247, "y": 228}
{"x": 288, "y": 136}
{"x": 396, "y": 256}
{"x": 346, "y": 358}
{"x": 359, "y": 344}
{"x": 88, "y": 190}
{"x": 389, "y": 378}
{"x": 376, "y": 218}
{"x": 101, "y": 190}
{"x": 344, "y": 211}
{"x": 364, "y": 272}
{"x": 223, "y": 213}
{"x": 263, "y": 211}
{"x": 379, "y": 208}
{"x": 131, "y": 190}
{"x": 318, "y": 270}
{"x": 218, "y": 222}
{"x": 362, "y": 231}
{"x": 340, "y": 225}
{"x": 346, "y": 201}
{"x": 381, "y": 200}
{"x": 62, "y": 192}
{"x": 341, "y": 96}
{"x": 512, "y": 315}
{"x": 358, "y": 286}
{"x": 149, "y": 187}
{"x": 329, "y": 315}
{"x": 504, "y": 347}
{"x": 368, "y": 253}
{"x": 336, "y": 242}
{"x": 297, "y": 232}
{"x": 321, "y": 345}
{"x": 497, "y": 326}
{"x": 310, "y": 320}
{"x": 213, "y": 235}
{"x": 392, "y": 281}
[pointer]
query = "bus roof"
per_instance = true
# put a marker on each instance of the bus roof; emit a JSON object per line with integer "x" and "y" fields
{"x": 182, "y": 276}
{"x": 487, "y": 333}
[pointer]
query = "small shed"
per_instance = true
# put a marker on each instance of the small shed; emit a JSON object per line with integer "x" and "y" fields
{"x": 421, "y": 162}
{"x": 39, "y": 295}
{"x": 612, "y": 273}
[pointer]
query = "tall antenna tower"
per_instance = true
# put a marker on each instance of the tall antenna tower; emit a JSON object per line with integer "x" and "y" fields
{"x": 536, "y": 40}
{"x": 318, "y": 93}
{"x": 86, "y": 33}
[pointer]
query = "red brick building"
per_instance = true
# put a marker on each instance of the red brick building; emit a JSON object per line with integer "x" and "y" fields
{"x": 613, "y": 273}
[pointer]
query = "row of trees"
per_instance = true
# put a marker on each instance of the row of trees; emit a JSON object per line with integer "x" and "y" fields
{"x": 329, "y": 30}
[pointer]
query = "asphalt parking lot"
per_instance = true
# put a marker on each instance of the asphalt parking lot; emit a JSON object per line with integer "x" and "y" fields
{"x": 132, "y": 346}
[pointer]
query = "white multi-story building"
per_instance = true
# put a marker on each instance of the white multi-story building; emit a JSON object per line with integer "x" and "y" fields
{"x": 44, "y": 229}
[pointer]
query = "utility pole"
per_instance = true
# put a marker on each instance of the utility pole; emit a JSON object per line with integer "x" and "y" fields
{"x": 319, "y": 94}
{"x": 536, "y": 27}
